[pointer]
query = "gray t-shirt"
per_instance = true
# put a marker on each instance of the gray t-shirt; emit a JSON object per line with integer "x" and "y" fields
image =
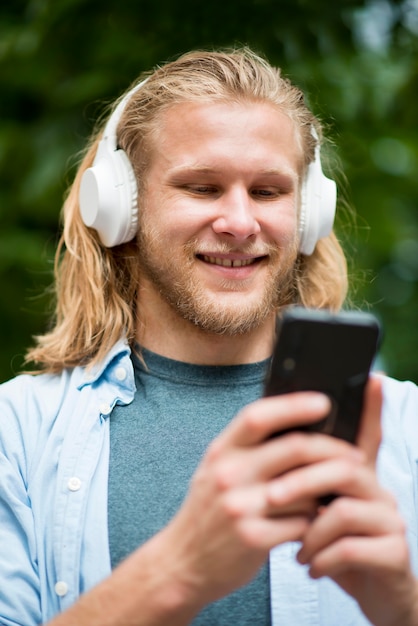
{"x": 157, "y": 442}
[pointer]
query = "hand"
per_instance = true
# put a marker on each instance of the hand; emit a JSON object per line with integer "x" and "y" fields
{"x": 361, "y": 545}
{"x": 359, "y": 539}
{"x": 230, "y": 518}
{"x": 228, "y": 524}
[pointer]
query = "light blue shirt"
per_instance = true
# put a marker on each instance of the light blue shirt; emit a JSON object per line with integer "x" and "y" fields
{"x": 54, "y": 456}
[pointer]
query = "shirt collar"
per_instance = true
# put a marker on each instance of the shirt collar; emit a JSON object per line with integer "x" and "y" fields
{"x": 119, "y": 353}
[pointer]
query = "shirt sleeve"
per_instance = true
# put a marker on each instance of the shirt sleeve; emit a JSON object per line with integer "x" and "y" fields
{"x": 19, "y": 579}
{"x": 398, "y": 457}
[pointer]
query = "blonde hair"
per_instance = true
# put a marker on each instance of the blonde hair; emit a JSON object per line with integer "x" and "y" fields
{"x": 96, "y": 287}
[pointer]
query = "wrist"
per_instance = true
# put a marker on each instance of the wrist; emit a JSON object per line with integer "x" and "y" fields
{"x": 407, "y": 617}
{"x": 164, "y": 581}
{"x": 412, "y": 619}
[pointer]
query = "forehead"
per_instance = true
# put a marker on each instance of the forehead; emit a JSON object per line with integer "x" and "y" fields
{"x": 200, "y": 130}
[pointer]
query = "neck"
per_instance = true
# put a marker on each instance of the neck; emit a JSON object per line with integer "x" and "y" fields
{"x": 173, "y": 337}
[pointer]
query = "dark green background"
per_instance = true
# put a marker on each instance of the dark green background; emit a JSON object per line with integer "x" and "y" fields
{"x": 62, "y": 61}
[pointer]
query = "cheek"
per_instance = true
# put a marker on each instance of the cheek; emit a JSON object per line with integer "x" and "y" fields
{"x": 282, "y": 226}
{"x": 183, "y": 222}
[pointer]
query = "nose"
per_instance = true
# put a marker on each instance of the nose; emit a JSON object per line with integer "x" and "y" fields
{"x": 236, "y": 215}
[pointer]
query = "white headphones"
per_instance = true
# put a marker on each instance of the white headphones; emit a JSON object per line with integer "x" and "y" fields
{"x": 109, "y": 194}
{"x": 318, "y": 205}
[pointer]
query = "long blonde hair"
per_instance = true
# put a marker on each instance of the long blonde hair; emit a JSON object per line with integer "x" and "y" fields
{"x": 96, "y": 287}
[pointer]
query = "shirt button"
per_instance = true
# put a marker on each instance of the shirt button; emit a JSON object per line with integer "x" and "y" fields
{"x": 120, "y": 373}
{"x": 105, "y": 409}
{"x": 74, "y": 484}
{"x": 61, "y": 588}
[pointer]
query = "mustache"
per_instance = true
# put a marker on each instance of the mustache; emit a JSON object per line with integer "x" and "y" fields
{"x": 253, "y": 249}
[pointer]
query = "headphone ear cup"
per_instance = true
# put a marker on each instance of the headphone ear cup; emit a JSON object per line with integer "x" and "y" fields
{"x": 318, "y": 205}
{"x": 109, "y": 197}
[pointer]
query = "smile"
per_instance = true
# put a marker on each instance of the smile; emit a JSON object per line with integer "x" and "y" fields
{"x": 228, "y": 262}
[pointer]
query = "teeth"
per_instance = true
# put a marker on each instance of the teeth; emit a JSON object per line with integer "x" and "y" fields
{"x": 227, "y": 262}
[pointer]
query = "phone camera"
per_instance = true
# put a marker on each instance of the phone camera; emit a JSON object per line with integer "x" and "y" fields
{"x": 289, "y": 364}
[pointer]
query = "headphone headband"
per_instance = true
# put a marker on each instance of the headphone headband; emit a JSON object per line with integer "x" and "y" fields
{"x": 111, "y": 127}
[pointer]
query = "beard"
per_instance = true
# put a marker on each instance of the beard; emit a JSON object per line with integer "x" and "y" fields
{"x": 228, "y": 311}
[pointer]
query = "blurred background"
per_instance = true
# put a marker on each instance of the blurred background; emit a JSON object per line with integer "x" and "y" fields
{"x": 63, "y": 61}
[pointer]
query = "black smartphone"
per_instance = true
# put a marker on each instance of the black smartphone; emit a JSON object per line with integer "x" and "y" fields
{"x": 317, "y": 350}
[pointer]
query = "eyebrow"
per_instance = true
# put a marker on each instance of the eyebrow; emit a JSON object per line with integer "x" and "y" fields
{"x": 206, "y": 169}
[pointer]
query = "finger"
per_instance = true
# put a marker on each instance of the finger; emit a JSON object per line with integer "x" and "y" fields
{"x": 252, "y": 501}
{"x": 361, "y": 553}
{"x": 342, "y": 476}
{"x": 276, "y": 456}
{"x": 346, "y": 516}
{"x": 260, "y": 419}
{"x": 266, "y": 533}
{"x": 370, "y": 427}
{"x": 299, "y": 449}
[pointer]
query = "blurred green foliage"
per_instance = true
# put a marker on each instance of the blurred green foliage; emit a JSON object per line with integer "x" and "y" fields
{"x": 63, "y": 61}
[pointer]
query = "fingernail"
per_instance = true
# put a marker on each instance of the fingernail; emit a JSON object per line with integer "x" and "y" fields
{"x": 320, "y": 402}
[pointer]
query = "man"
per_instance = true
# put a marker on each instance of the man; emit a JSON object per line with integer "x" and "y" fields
{"x": 139, "y": 482}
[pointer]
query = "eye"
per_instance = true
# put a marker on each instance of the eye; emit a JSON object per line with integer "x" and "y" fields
{"x": 266, "y": 193}
{"x": 201, "y": 190}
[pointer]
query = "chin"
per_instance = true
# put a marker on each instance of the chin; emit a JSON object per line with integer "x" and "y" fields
{"x": 228, "y": 320}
